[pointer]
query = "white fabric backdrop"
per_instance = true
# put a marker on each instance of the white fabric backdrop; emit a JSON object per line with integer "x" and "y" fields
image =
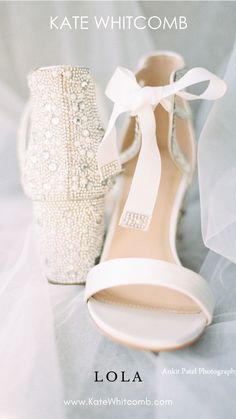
{"x": 48, "y": 347}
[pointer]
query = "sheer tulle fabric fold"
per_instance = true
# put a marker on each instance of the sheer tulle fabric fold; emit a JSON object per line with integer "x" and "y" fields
{"x": 217, "y": 171}
{"x": 49, "y": 349}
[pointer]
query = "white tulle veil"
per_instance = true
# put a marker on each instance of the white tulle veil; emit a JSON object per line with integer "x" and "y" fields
{"x": 49, "y": 349}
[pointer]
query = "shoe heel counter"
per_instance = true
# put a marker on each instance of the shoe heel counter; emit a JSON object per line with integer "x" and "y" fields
{"x": 65, "y": 130}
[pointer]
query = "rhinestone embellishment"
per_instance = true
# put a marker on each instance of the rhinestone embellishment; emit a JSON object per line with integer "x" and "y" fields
{"x": 175, "y": 149}
{"x": 135, "y": 220}
{"x": 60, "y": 173}
{"x": 110, "y": 169}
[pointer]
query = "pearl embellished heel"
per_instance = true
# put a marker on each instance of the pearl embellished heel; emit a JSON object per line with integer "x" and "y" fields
{"x": 58, "y": 140}
{"x": 140, "y": 294}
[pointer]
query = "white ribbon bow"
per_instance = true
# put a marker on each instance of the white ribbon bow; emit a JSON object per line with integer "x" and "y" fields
{"x": 128, "y": 95}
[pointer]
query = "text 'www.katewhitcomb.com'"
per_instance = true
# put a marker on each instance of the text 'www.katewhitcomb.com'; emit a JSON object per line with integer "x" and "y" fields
{"x": 116, "y": 401}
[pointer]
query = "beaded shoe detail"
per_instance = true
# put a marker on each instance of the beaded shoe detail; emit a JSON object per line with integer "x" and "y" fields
{"x": 59, "y": 170}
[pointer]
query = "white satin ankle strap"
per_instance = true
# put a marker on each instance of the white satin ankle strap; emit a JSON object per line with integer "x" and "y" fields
{"x": 138, "y": 271}
{"x": 128, "y": 95}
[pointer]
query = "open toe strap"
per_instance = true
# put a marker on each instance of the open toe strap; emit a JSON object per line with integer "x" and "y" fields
{"x": 126, "y": 273}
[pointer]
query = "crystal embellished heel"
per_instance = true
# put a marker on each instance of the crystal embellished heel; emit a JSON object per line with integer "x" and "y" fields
{"x": 58, "y": 140}
{"x": 140, "y": 294}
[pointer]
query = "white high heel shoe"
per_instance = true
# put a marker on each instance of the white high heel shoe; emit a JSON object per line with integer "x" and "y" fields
{"x": 140, "y": 294}
{"x": 58, "y": 141}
